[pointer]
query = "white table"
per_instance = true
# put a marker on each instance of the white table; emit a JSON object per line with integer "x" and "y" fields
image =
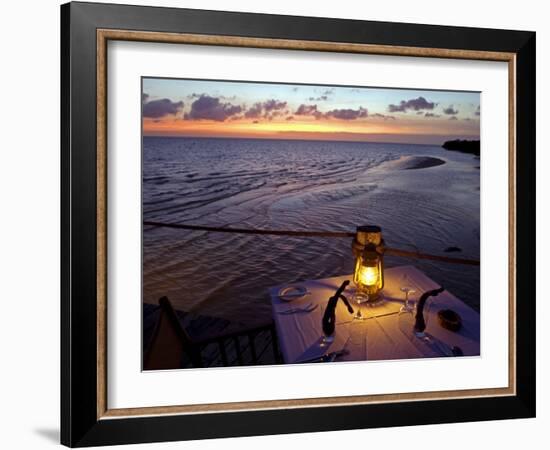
{"x": 384, "y": 334}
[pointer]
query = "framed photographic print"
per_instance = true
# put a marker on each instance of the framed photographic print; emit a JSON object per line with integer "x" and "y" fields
{"x": 276, "y": 224}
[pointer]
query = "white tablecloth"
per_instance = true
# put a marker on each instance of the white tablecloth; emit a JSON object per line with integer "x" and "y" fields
{"x": 384, "y": 334}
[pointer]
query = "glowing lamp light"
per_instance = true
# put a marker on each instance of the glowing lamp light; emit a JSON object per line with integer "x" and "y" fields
{"x": 367, "y": 275}
{"x": 368, "y": 249}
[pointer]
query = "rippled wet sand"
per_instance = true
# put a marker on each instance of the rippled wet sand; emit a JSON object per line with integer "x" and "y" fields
{"x": 297, "y": 185}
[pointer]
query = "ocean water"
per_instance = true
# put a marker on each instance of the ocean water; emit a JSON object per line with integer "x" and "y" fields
{"x": 296, "y": 185}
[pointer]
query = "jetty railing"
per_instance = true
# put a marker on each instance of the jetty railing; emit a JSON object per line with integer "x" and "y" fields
{"x": 170, "y": 341}
{"x": 390, "y": 251}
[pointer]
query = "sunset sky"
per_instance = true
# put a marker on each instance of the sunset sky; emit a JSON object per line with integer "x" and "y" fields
{"x": 201, "y": 108}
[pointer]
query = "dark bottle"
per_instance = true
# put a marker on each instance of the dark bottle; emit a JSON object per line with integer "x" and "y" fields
{"x": 329, "y": 317}
{"x": 420, "y": 323}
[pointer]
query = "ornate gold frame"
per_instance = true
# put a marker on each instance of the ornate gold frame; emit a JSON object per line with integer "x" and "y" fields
{"x": 103, "y": 36}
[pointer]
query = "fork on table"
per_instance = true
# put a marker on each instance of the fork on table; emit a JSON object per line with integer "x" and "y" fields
{"x": 304, "y": 309}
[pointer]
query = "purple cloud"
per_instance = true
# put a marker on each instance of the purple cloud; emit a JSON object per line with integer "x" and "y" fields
{"x": 144, "y": 97}
{"x": 221, "y": 97}
{"x": 429, "y": 114}
{"x": 156, "y": 109}
{"x": 416, "y": 104}
{"x": 382, "y": 116}
{"x": 342, "y": 114}
{"x": 308, "y": 110}
{"x": 273, "y": 105}
{"x": 254, "y": 111}
{"x": 348, "y": 114}
{"x": 450, "y": 111}
{"x": 210, "y": 108}
{"x": 267, "y": 109}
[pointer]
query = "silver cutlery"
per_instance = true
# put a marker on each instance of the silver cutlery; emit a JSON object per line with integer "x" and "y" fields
{"x": 305, "y": 309}
{"x": 294, "y": 294}
{"x": 342, "y": 352}
{"x": 329, "y": 357}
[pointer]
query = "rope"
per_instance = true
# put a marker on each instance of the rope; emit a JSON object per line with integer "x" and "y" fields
{"x": 330, "y": 234}
{"x": 339, "y": 234}
{"x": 448, "y": 259}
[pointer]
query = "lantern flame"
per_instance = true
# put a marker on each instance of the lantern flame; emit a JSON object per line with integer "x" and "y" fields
{"x": 368, "y": 275}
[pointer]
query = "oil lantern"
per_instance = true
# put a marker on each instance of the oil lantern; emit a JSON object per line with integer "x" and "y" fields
{"x": 368, "y": 250}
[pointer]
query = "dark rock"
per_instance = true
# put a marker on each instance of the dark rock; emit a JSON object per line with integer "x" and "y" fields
{"x": 464, "y": 146}
{"x": 452, "y": 249}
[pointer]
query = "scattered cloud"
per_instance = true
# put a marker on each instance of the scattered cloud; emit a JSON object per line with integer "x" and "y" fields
{"x": 323, "y": 95}
{"x": 416, "y": 104}
{"x": 160, "y": 108}
{"x": 382, "y": 116}
{"x": 144, "y": 97}
{"x": 478, "y": 111}
{"x": 274, "y": 105}
{"x": 348, "y": 114}
{"x": 308, "y": 110}
{"x": 429, "y": 114}
{"x": 290, "y": 118}
{"x": 453, "y": 118}
{"x": 267, "y": 109}
{"x": 450, "y": 111}
{"x": 254, "y": 111}
{"x": 221, "y": 97}
{"x": 342, "y": 114}
{"x": 211, "y": 108}
{"x": 321, "y": 98}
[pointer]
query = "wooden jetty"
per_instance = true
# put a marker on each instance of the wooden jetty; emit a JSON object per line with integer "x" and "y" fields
{"x": 220, "y": 342}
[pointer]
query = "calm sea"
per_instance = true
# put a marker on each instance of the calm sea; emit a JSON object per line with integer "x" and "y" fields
{"x": 296, "y": 185}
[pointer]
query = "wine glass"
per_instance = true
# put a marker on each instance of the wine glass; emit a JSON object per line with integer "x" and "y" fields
{"x": 423, "y": 341}
{"x": 407, "y": 289}
{"x": 359, "y": 298}
{"x": 407, "y": 323}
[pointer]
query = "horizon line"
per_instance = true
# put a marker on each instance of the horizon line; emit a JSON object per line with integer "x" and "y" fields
{"x": 171, "y": 136}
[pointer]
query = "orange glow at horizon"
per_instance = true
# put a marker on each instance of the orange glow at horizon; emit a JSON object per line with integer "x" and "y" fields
{"x": 306, "y": 128}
